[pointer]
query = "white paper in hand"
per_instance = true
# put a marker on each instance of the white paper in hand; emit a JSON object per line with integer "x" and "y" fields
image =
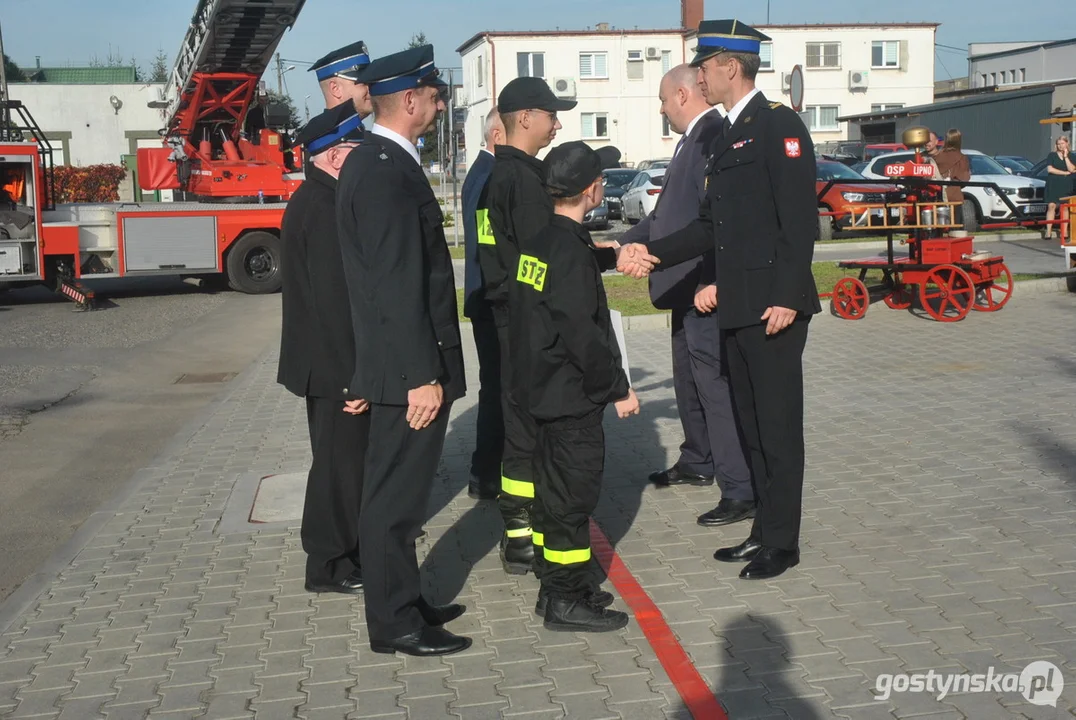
{"x": 618, "y": 329}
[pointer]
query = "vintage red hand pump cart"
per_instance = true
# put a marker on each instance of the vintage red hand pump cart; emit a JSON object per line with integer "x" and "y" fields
{"x": 941, "y": 273}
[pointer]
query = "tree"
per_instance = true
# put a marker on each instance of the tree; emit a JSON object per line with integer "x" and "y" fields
{"x": 428, "y": 152}
{"x": 158, "y": 71}
{"x": 13, "y": 72}
{"x": 418, "y": 40}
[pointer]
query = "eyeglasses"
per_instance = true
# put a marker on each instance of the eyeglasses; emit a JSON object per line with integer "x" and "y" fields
{"x": 552, "y": 115}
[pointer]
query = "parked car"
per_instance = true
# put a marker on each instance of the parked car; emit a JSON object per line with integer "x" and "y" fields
{"x": 641, "y": 194}
{"x": 616, "y": 182}
{"x": 842, "y": 194}
{"x": 860, "y": 166}
{"x": 657, "y": 163}
{"x": 598, "y": 218}
{"x": 982, "y": 204}
{"x": 1015, "y": 164}
{"x": 875, "y": 149}
{"x": 1037, "y": 171}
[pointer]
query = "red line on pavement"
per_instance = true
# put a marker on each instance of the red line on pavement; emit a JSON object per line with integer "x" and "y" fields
{"x": 694, "y": 691}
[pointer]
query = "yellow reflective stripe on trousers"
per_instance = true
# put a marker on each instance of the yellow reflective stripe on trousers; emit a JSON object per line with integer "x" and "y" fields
{"x": 519, "y": 488}
{"x": 566, "y": 557}
{"x": 538, "y": 539}
{"x": 518, "y": 533}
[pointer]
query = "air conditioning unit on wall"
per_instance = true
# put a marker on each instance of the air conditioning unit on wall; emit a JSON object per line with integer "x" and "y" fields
{"x": 564, "y": 87}
{"x": 653, "y": 53}
{"x": 857, "y": 79}
{"x": 786, "y": 82}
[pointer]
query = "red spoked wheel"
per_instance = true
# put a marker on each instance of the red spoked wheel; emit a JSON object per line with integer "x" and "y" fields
{"x": 991, "y": 296}
{"x": 901, "y": 296}
{"x": 947, "y": 293}
{"x": 850, "y": 298}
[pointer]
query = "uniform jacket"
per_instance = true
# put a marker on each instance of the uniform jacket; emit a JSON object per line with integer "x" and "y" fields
{"x": 473, "y": 184}
{"x": 399, "y": 276}
{"x": 683, "y": 189}
{"x": 513, "y": 207}
{"x": 317, "y": 346}
{"x": 760, "y": 213}
{"x": 566, "y": 362}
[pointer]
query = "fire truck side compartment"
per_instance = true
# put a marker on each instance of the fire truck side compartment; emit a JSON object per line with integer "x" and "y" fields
{"x": 170, "y": 244}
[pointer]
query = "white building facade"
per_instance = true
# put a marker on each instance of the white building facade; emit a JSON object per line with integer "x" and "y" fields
{"x": 614, "y": 77}
{"x": 93, "y": 124}
{"x": 1014, "y": 64}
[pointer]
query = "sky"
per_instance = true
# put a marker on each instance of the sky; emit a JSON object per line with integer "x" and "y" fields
{"x": 72, "y": 32}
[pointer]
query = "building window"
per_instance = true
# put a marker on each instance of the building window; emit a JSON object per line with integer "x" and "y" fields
{"x": 823, "y": 118}
{"x": 993, "y": 79}
{"x": 824, "y": 55}
{"x": 885, "y": 54}
{"x": 882, "y": 107}
{"x": 594, "y": 65}
{"x": 530, "y": 64}
{"x": 479, "y": 70}
{"x": 982, "y": 80}
{"x": 666, "y": 61}
{"x": 595, "y": 126}
{"x": 765, "y": 54}
{"x": 1023, "y": 74}
{"x": 635, "y": 64}
{"x": 666, "y": 129}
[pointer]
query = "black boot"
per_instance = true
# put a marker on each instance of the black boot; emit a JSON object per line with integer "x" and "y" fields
{"x": 581, "y": 615}
{"x": 517, "y": 553}
{"x": 597, "y": 597}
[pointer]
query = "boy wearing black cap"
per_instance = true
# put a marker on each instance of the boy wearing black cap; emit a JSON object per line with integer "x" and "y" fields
{"x": 566, "y": 367}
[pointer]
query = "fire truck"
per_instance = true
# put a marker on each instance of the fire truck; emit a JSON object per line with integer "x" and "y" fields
{"x": 219, "y": 149}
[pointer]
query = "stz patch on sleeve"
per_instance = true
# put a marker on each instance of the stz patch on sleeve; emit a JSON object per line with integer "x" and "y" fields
{"x": 792, "y": 147}
{"x": 485, "y": 231}
{"x": 532, "y": 271}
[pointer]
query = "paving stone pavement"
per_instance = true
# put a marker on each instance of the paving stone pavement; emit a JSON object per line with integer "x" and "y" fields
{"x": 938, "y": 534}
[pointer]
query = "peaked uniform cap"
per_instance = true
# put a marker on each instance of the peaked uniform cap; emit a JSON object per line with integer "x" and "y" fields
{"x": 718, "y": 36}
{"x": 330, "y": 128}
{"x": 345, "y": 62}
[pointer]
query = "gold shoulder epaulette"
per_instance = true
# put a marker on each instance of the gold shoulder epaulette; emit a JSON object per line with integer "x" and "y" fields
{"x": 775, "y": 105}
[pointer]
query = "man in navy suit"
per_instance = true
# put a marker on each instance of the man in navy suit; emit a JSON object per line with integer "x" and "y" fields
{"x": 485, "y": 480}
{"x": 712, "y": 444}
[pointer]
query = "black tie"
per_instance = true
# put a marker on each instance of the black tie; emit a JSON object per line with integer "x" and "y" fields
{"x": 726, "y": 126}
{"x": 679, "y": 145}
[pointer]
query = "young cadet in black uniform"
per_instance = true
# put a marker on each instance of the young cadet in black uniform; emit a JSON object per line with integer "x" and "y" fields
{"x": 409, "y": 359}
{"x": 317, "y": 356}
{"x": 566, "y": 367}
{"x": 514, "y": 206}
{"x": 761, "y": 214}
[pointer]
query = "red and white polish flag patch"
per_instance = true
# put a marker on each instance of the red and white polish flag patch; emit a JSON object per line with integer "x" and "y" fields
{"x": 792, "y": 147}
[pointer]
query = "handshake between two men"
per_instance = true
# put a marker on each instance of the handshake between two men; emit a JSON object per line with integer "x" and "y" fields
{"x": 635, "y": 261}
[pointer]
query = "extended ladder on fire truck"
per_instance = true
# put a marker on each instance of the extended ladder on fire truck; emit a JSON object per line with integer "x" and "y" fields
{"x": 212, "y": 88}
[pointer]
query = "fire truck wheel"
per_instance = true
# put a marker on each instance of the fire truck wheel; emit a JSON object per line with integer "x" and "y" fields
{"x": 254, "y": 263}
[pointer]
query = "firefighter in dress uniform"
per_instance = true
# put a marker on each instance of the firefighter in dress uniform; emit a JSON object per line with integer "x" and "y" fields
{"x": 761, "y": 216}
{"x": 338, "y": 77}
{"x": 409, "y": 359}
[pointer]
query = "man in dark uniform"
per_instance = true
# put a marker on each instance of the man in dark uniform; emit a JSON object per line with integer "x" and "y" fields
{"x": 513, "y": 207}
{"x": 317, "y": 357}
{"x": 409, "y": 359}
{"x": 338, "y": 77}
{"x": 761, "y": 215}
{"x": 485, "y": 482}
{"x": 566, "y": 368}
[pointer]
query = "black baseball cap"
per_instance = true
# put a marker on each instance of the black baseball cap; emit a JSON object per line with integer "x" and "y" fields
{"x": 531, "y": 93}
{"x": 570, "y": 168}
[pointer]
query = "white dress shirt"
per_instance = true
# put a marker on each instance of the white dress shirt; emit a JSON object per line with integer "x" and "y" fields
{"x": 734, "y": 113}
{"x": 398, "y": 139}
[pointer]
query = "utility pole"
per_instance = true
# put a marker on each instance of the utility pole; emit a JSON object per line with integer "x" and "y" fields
{"x": 279, "y": 75}
{"x": 457, "y": 214}
{"x": 5, "y": 113}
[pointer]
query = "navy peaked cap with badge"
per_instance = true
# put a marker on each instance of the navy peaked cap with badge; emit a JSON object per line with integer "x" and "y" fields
{"x": 401, "y": 71}
{"x": 718, "y": 36}
{"x": 330, "y": 128}
{"x": 346, "y": 62}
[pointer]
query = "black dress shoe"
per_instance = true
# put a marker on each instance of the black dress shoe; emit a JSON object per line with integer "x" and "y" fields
{"x": 675, "y": 476}
{"x": 477, "y": 491}
{"x": 600, "y": 598}
{"x": 727, "y": 512}
{"x": 769, "y": 563}
{"x": 438, "y": 615}
{"x": 425, "y": 642}
{"x": 744, "y": 552}
{"x": 562, "y": 615}
{"x": 351, "y": 585}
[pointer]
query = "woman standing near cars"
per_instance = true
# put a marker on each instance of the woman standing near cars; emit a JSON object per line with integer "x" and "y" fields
{"x": 953, "y": 164}
{"x": 1060, "y": 168}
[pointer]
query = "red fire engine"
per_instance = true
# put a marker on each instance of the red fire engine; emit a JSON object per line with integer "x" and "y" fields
{"x": 235, "y": 172}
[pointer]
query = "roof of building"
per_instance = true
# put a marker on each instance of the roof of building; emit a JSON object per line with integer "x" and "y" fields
{"x": 980, "y": 96}
{"x": 687, "y": 32}
{"x": 82, "y": 75}
{"x": 1024, "y": 49}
